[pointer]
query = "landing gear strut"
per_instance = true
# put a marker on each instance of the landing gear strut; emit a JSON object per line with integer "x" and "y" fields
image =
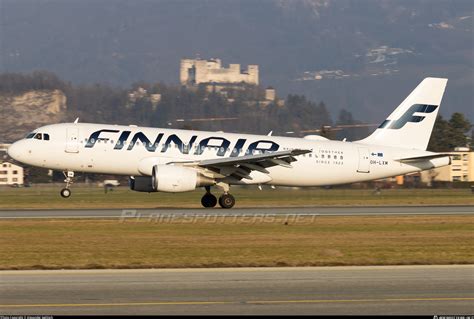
{"x": 208, "y": 200}
{"x": 226, "y": 200}
{"x": 66, "y": 192}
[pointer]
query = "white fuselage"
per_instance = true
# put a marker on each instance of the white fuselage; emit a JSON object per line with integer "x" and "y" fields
{"x": 127, "y": 150}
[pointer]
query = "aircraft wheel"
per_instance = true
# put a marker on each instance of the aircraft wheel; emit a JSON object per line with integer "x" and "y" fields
{"x": 208, "y": 200}
{"x": 65, "y": 193}
{"x": 227, "y": 201}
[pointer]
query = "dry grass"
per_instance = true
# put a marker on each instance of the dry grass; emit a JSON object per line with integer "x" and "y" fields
{"x": 93, "y": 197}
{"x": 56, "y": 243}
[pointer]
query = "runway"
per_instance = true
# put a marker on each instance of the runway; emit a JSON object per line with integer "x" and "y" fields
{"x": 428, "y": 290}
{"x": 186, "y": 212}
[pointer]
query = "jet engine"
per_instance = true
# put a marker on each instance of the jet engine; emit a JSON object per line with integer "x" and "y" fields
{"x": 169, "y": 178}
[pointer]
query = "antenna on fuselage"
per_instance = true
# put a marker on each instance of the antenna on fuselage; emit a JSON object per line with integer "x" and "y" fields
{"x": 76, "y": 121}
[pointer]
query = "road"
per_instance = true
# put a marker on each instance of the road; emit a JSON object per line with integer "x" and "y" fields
{"x": 320, "y": 290}
{"x": 330, "y": 211}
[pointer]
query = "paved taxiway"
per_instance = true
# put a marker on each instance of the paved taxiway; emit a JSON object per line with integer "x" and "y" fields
{"x": 176, "y": 212}
{"x": 322, "y": 290}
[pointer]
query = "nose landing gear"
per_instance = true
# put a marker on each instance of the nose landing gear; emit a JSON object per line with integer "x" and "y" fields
{"x": 66, "y": 192}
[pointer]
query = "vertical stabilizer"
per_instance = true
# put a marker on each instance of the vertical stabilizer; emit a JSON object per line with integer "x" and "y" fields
{"x": 411, "y": 124}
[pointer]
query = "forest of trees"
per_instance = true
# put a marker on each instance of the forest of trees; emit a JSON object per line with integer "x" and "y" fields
{"x": 107, "y": 104}
{"x": 452, "y": 133}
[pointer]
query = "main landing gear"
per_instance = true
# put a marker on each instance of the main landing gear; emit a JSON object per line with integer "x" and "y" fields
{"x": 226, "y": 200}
{"x": 66, "y": 192}
{"x": 208, "y": 200}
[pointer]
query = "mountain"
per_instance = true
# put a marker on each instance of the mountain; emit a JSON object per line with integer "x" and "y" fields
{"x": 364, "y": 55}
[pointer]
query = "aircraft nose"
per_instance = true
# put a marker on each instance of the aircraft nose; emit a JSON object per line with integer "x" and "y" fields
{"x": 14, "y": 151}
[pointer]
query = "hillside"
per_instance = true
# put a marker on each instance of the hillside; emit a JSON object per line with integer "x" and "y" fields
{"x": 27, "y": 111}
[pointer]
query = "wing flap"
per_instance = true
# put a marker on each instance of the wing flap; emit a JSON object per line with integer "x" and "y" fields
{"x": 240, "y": 167}
{"x": 282, "y": 155}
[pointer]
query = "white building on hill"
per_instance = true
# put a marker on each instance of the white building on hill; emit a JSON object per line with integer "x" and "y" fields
{"x": 196, "y": 71}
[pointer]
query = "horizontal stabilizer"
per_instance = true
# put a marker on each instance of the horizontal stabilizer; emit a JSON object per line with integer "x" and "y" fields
{"x": 422, "y": 158}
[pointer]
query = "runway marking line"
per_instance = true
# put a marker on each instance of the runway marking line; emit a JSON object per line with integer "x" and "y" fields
{"x": 251, "y": 302}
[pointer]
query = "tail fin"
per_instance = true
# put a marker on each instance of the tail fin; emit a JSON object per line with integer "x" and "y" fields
{"x": 410, "y": 125}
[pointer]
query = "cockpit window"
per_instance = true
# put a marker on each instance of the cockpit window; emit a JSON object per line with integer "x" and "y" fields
{"x": 38, "y": 136}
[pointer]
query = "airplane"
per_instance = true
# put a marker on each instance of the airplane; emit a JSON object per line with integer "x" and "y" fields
{"x": 170, "y": 160}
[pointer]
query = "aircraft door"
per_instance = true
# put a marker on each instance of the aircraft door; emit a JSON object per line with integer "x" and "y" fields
{"x": 72, "y": 140}
{"x": 364, "y": 160}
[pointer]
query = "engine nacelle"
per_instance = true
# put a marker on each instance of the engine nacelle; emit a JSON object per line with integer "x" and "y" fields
{"x": 173, "y": 179}
{"x": 169, "y": 178}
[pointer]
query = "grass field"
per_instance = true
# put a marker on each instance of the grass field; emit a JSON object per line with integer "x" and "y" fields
{"x": 236, "y": 242}
{"x": 122, "y": 197}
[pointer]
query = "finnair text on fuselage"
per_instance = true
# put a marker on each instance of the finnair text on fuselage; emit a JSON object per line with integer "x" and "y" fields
{"x": 222, "y": 144}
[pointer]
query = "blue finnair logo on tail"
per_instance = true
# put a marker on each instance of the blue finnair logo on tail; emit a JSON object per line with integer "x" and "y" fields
{"x": 409, "y": 117}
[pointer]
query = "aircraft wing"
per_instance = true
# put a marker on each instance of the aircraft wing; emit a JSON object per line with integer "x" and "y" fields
{"x": 241, "y": 166}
